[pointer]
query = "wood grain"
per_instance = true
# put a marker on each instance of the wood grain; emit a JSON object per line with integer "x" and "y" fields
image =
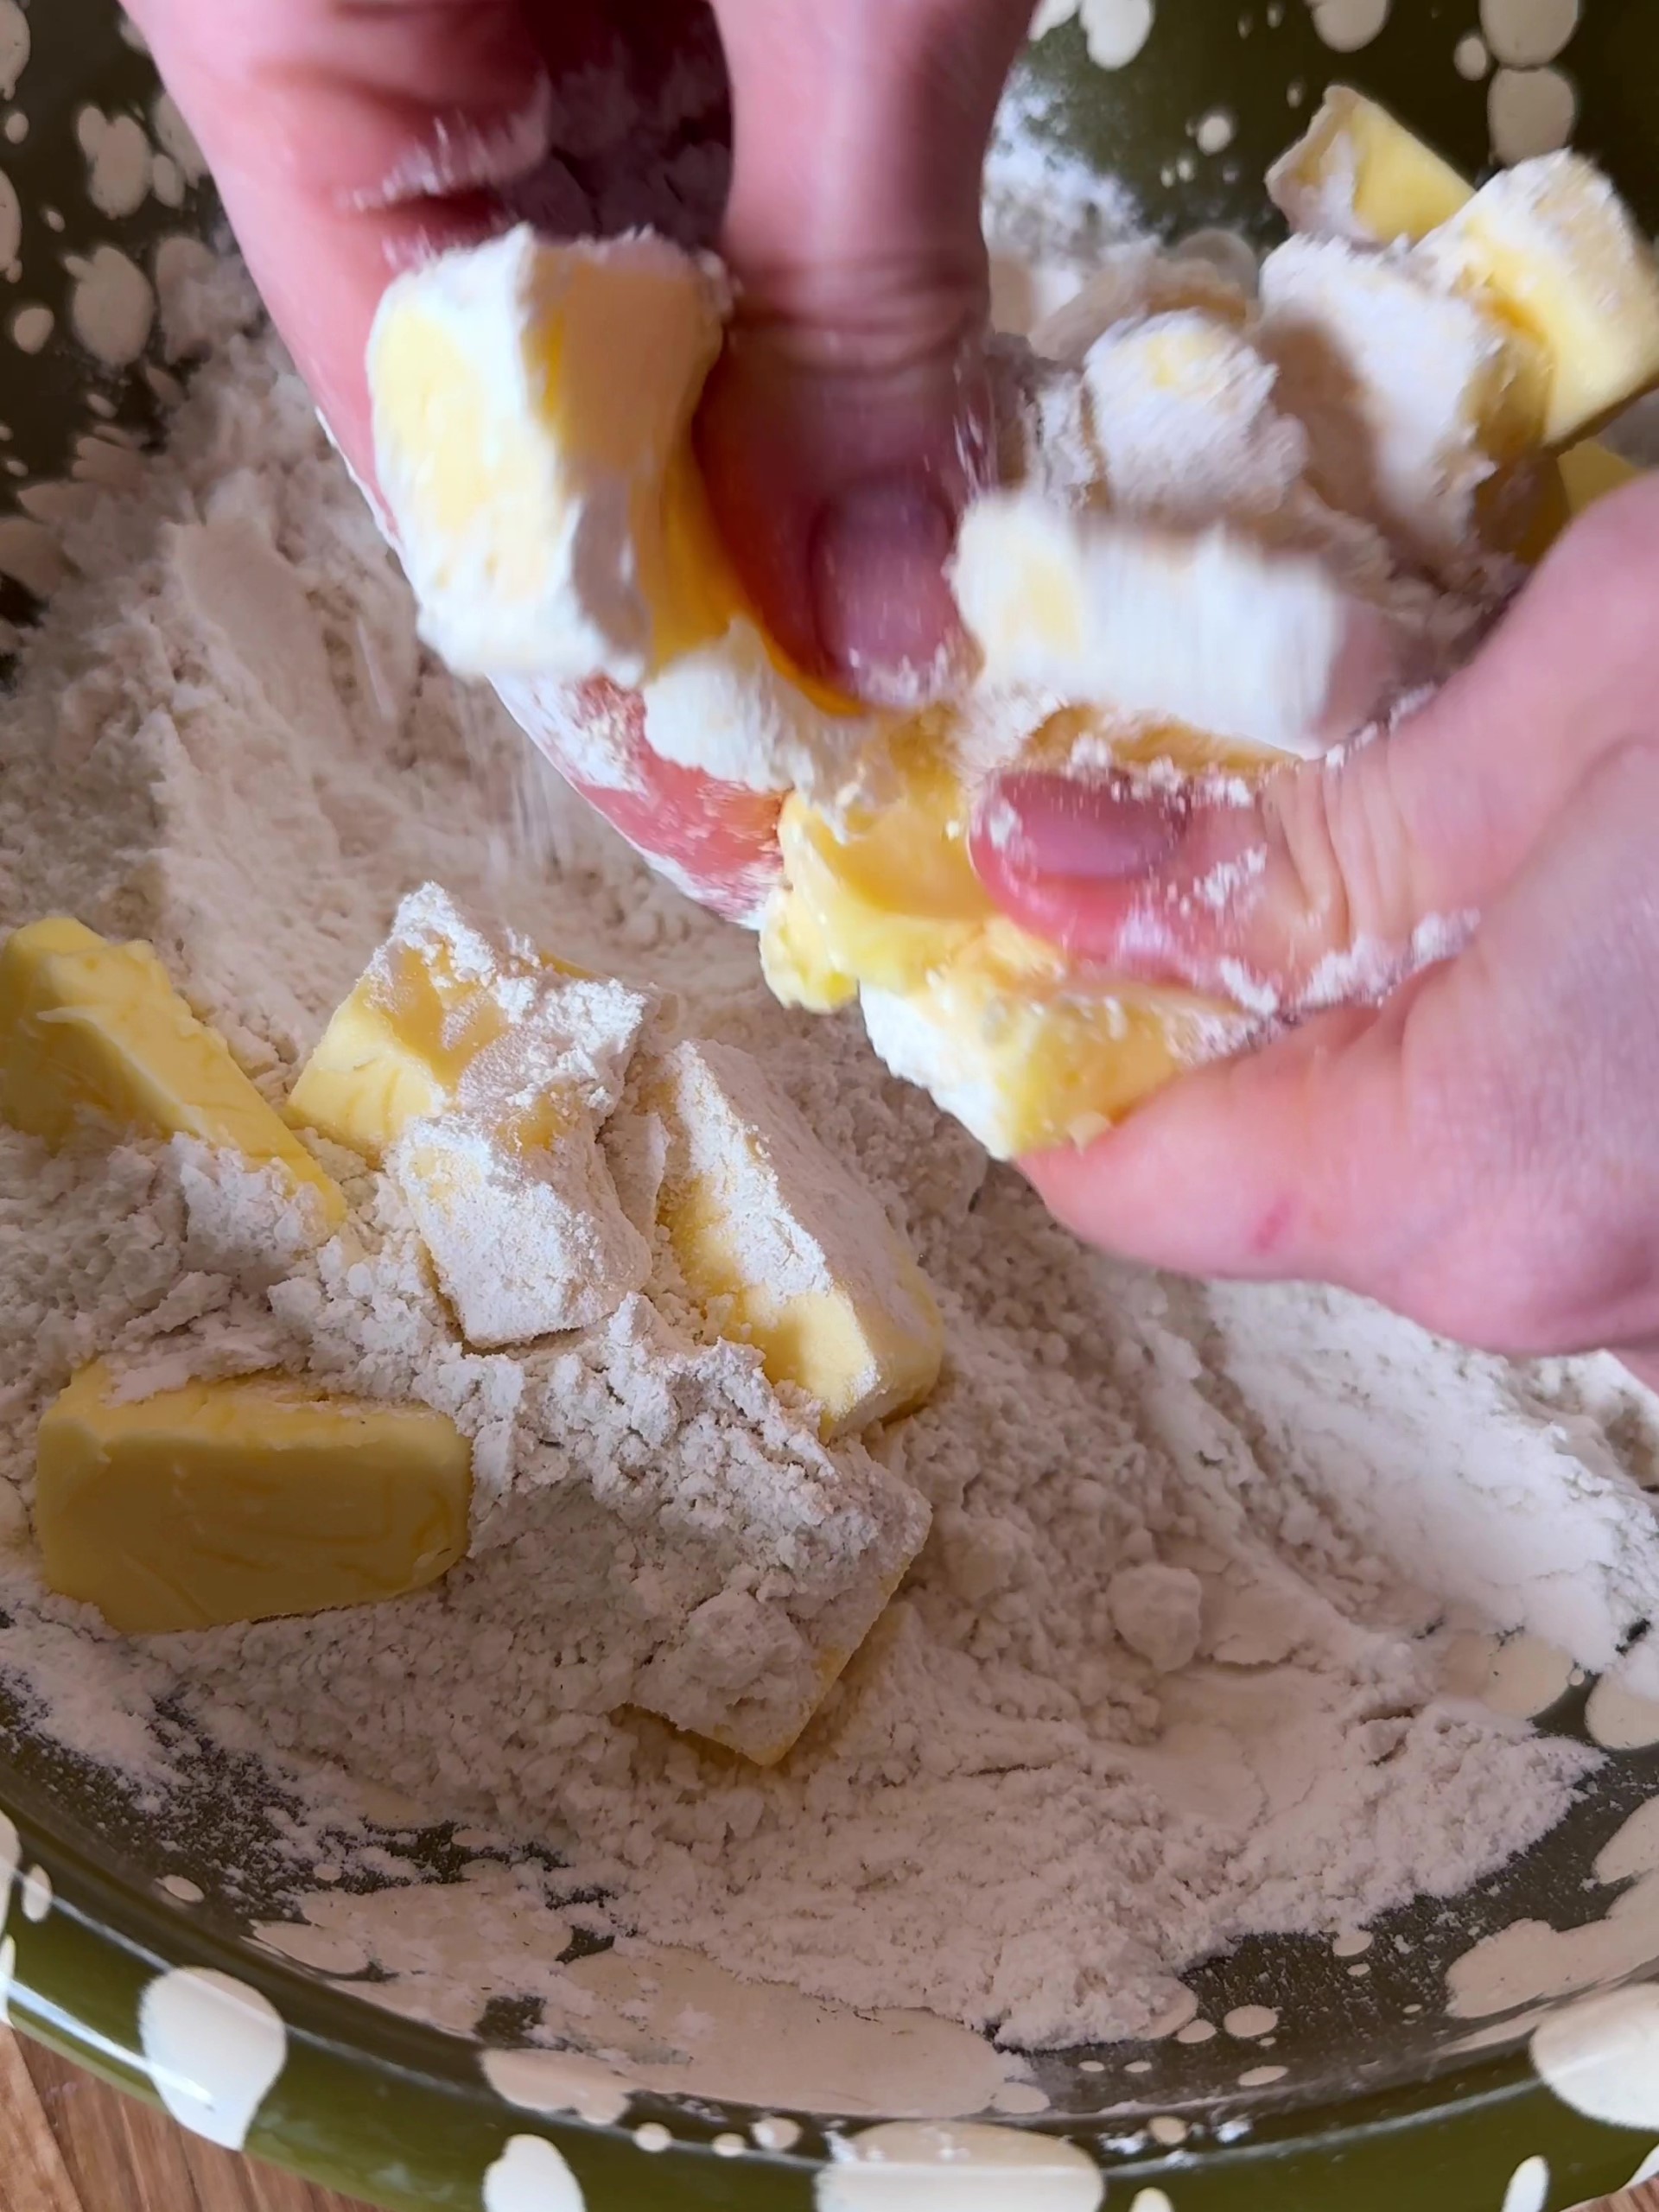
{"x": 69, "y": 2144}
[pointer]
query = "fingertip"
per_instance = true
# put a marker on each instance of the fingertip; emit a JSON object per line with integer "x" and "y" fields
{"x": 883, "y": 614}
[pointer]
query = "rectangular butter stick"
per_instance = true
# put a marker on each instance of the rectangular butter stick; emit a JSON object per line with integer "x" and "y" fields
{"x": 238, "y": 1500}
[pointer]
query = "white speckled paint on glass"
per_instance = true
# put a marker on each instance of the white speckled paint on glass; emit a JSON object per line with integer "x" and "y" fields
{"x": 1529, "y": 2189}
{"x": 1150, "y": 2200}
{"x": 1523, "y": 34}
{"x": 1345, "y": 26}
{"x": 957, "y": 2166}
{"x": 1530, "y": 111}
{"x": 8, "y": 1864}
{"x": 213, "y": 2046}
{"x": 652, "y": 2135}
{"x": 1115, "y": 30}
{"x": 13, "y": 47}
{"x": 1470, "y": 58}
{"x": 775, "y": 2134}
{"x": 1601, "y": 2056}
{"x": 559, "y": 2080}
{"x": 1618, "y": 1719}
{"x": 531, "y": 2176}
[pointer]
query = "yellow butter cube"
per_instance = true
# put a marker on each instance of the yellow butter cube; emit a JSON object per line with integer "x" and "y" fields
{"x": 240, "y": 1500}
{"x": 524, "y": 1228}
{"x": 1549, "y": 245}
{"x": 1357, "y": 174}
{"x": 449, "y": 1012}
{"x": 1212, "y": 628}
{"x": 780, "y": 1244}
{"x": 1412, "y": 393}
{"x": 1028, "y": 1054}
{"x": 88, "y": 1027}
{"x": 888, "y": 891}
{"x": 531, "y": 402}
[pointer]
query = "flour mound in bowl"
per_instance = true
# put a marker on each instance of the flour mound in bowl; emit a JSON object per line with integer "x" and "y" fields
{"x": 1165, "y": 1673}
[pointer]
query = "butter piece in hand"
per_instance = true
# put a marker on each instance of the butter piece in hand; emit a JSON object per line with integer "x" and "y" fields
{"x": 1359, "y": 174}
{"x": 1549, "y": 245}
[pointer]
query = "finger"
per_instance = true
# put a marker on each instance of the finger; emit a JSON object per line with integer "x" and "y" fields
{"x": 1328, "y": 880}
{"x": 345, "y": 140}
{"x": 847, "y": 420}
{"x": 1313, "y": 887}
{"x": 1477, "y": 1153}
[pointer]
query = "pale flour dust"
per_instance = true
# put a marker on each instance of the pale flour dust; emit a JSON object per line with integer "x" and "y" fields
{"x": 1164, "y": 1672}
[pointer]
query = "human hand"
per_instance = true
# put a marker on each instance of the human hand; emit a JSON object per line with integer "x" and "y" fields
{"x": 1479, "y": 1150}
{"x": 349, "y": 139}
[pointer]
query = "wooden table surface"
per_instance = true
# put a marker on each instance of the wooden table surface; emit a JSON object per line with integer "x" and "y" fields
{"x": 67, "y": 2144}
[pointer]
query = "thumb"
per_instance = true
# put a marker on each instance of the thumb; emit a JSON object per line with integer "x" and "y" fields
{"x": 1329, "y": 880}
{"x": 846, "y": 423}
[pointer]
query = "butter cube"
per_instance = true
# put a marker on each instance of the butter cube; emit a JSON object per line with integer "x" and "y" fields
{"x": 1411, "y": 395}
{"x": 88, "y": 1027}
{"x": 722, "y": 1562}
{"x": 1549, "y": 245}
{"x": 1357, "y": 174}
{"x": 1188, "y": 423}
{"x": 532, "y": 406}
{"x": 881, "y": 894}
{"x": 1255, "y": 648}
{"x": 780, "y": 1244}
{"x": 529, "y": 403}
{"x": 449, "y": 1015}
{"x": 1027, "y": 1055}
{"x": 525, "y": 1229}
{"x": 239, "y": 1500}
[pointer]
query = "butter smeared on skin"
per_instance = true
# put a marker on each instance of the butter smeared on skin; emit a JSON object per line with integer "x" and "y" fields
{"x": 90, "y": 1028}
{"x": 243, "y": 1500}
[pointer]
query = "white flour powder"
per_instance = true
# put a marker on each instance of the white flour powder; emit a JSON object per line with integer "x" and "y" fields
{"x": 1163, "y": 1674}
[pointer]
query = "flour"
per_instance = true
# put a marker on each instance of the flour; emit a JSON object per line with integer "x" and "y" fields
{"x": 1165, "y": 1672}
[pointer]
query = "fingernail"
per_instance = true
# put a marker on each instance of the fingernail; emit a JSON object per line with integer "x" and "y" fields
{"x": 886, "y": 620}
{"x": 1100, "y": 830}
